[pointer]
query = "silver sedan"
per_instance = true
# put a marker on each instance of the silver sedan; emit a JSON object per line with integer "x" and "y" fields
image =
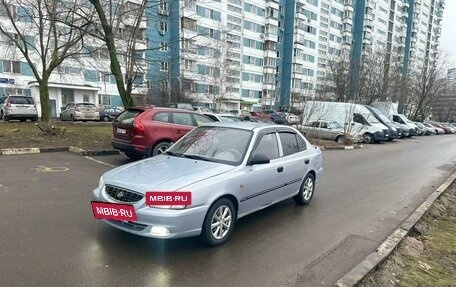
{"x": 211, "y": 177}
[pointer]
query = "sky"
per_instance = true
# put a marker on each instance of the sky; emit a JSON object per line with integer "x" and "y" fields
{"x": 448, "y": 37}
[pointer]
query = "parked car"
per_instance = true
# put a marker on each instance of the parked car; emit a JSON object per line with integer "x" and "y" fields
{"x": 436, "y": 130}
{"x": 277, "y": 117}
{"x": 405, "y": 123}
{"x": 18, "y": 107}
{"x": 108, "y": 114}
{"x": 148, "y": 131}
{"x": 260, "y": 115}
{"x": 222, "y": 117}
{"x": 395, "y": 132}
{"x": 180, "y": 105}
{"x": 446, "y": 130}
{"x": 80, "y": 112}
{"x": 328, "y": 130}
{"x": 292, "y": 118}
{"x": 439, "y": 128}
{"x": 424, "y": 130}
{"x": 202, "y": 109}
{"x": 229, "y": 170}
{"x": 247, "y": 118}
{"x": 357, "y": 118}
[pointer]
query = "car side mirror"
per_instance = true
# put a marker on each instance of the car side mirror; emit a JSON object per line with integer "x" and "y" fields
{"x": 258, "y": 158}
{"x": 61, "y": 109}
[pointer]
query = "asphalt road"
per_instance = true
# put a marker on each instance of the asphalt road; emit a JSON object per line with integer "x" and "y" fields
{"x": 48, "y": 236}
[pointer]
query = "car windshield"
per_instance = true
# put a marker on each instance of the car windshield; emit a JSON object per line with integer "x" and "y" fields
{"x": 229, "y": 119}
{"x": 370, "y": 118}
{"x": 334, "y": 125}
{"x": 381, "y": 115}
{"x": 216, "y": 144}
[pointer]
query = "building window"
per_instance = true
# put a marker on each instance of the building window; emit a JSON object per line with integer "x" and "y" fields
{"x": 164, "y": 85}
{"x": 164, "y": 66}
{"x": 164, "y": 47}
{"x": 85, "y": 98}
{"x": 13, "y": 67}
{"x": 163, "y": 27}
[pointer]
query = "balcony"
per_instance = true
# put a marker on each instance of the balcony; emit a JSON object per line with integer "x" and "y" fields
{"x": 164, "y": 12}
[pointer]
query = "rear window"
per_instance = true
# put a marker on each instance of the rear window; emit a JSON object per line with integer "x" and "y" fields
{"x": 86, "y": 105}
{"x": 21, "y": 100}
{"x": 128, "y": 116}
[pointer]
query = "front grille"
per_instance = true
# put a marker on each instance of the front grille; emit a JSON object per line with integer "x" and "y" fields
{"x": 122, "y": 194}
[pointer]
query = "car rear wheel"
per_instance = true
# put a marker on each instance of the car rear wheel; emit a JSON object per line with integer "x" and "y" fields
{"x": 219, "y": 222}
{"x": 72, "y": 118}
{"x": 306, "y": 190}
{"x": 106, "y": 119}
{"x": 340, "y": 139}
{"x": 160, "y": 148}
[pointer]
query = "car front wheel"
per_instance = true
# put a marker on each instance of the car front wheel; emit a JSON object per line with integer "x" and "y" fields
{"x": 219, "y": 222}
{"x": 306, "y": 191}
{"x": 368, "y": 138}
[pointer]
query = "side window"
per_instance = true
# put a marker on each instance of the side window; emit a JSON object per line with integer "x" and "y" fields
{"x": 324, "y": 125}
{"x": 201, "y": 120}
{"x": 289, "y": 143}
{"x": 268, "y": 146}
{"x": 161, "y": 117}
{"x": 182, "y": 119}
{"x": 301, "y": 143}
{"x": 315, "y": 124}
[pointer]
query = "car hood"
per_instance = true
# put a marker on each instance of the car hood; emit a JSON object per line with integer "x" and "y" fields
{"x": 163, "y": 173}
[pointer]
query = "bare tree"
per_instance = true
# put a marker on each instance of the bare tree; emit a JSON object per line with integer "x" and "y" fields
{"x": 426, "y": 88}
{"x": 128, "y": 18}
{"x": 35, "y": 28}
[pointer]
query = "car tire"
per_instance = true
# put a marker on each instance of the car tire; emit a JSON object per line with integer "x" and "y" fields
{"x": 161, "y": 148}
{"x": 72, "y": 118}
{"x": 306, "y": 190}
{"x": 221, "y": 213}
{"x": 34, "y": 119}
{"x": 340, "y": 139}
{"x": 134, "y": 156}
{"x": 368, "y": 138}
{"x": 106, "y": 118}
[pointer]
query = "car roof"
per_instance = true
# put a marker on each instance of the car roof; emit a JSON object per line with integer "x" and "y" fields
{"x": 247, "y": 125}
{"x": 145, "y": 108}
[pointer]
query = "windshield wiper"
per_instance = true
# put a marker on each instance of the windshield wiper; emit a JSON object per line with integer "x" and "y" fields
{"x": 197, "y": 157}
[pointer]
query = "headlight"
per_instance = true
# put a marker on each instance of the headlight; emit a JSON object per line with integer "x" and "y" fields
{"x": 101, "y": 183}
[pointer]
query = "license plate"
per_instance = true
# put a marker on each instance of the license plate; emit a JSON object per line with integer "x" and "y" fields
{"x": 121, "y": 131}
{"x": 103, "y": 210}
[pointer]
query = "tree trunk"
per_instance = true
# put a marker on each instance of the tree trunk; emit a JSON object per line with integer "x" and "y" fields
{"x": 44, "y": 99}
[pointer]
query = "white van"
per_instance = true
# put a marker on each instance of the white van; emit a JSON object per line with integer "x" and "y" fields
{"x": 403, "y": 121}
{"x": 356, "y": 119}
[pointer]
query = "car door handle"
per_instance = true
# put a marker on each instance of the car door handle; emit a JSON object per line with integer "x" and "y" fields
{"x": 280, "y": 169}
{"x": 306, "y": 161}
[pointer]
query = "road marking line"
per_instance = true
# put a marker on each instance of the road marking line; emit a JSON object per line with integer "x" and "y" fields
{"x": 101, "y": 162}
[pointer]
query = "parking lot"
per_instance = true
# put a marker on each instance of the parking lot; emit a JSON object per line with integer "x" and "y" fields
{"x": 49, "y": 235}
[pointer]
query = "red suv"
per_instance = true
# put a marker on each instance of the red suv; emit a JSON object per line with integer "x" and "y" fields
{"x": 148, "y": 131}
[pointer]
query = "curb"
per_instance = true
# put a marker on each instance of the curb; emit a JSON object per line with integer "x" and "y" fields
{"x": 19, "y": 151}
{"x": 344, "y": 147}
{"x": 374, "y": 259}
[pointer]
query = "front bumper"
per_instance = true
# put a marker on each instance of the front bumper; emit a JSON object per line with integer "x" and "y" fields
{"x": 180, "y": 222}
{"x": 379, "y": 136}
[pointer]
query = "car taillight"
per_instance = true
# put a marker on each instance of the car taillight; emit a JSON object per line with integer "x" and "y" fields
{"x": 139, "y": 126}
{"x": 8, "y": 103}
{"x": 76, "y": 109}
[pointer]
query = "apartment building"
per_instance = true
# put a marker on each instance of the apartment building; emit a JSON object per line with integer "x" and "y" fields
{"x": 86, "y": 76}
